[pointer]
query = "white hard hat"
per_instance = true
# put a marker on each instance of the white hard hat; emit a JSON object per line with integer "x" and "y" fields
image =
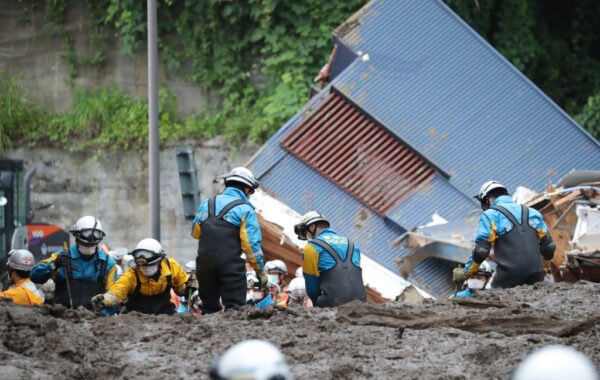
{"x": 487, "y": 187}
{"x": 190, "y": 267}
{"x": 558, "y": 363}
{"x": 297, "y": 288}
{"x": 147, "y": 252}
{"x": 252, "y": 359}
{"x": 299, "y": 272}
{"x": 128, "y": 262}
{"x": 308, "y": 219}
{"x": 20, "y": 259}
{"x": 240, "y": 175}
{"x": 88, "y": 229}
{"x": 119, "y": 253}
{"x": 276, "y": 266}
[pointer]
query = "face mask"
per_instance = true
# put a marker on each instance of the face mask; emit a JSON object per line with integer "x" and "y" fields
{"x": 87, "y": 251}
{"x": 475, "y": 283}
{"x": 274, "y": 278}
{"x": 149, "y": 270}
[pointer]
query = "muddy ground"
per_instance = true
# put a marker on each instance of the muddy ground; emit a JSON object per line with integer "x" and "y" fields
{"x": 484, "y": 337}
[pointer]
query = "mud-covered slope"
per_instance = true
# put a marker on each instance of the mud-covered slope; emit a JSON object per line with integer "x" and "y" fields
{"x": 484, "y": 337}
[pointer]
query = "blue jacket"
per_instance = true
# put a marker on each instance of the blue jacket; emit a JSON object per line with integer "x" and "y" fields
{"x": 317, "y": 260}
{"x": 242, "y": 216}
{"x": 84, "y": 270}
{"x": 493, "y": 223}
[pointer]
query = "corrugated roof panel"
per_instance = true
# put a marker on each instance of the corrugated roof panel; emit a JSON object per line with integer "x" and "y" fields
{"x": 434, "y": 276}
{"x": 429, "y": 78}
{"x": 438, "y": 196}
{"x": 357, "y": 155}
{"x": 304, "y": 189}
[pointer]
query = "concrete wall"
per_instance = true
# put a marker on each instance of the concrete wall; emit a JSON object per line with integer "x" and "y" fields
{"x": 28, "y": 47}
{"x": 113, "y": 185}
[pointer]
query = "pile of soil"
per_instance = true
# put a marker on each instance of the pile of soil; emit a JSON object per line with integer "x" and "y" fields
{"x": 482, "y": 337}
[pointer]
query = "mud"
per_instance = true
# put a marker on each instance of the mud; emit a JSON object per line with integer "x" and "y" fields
{"x": 482, "y": 337}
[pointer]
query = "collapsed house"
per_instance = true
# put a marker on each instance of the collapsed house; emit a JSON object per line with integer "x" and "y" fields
{"x": 416, "y": 112}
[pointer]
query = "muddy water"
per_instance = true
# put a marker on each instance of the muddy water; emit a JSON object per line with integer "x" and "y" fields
{"x": 484, "y": 337}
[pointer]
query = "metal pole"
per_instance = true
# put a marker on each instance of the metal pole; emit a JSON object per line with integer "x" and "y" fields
{"x": 153, "y": 144}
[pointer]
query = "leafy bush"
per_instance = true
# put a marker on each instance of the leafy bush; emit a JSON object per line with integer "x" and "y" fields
{"x": 99, "y": 118}
{"x": 589, "y": 118}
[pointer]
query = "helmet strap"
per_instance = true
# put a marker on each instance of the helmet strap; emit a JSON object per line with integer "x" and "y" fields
{"x": 314, "y": 230}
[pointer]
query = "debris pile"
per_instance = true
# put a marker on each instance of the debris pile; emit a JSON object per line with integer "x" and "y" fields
{"x": 482, "y": 337}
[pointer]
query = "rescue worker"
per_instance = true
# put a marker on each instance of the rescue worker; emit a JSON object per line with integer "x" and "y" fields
{"x": 181, "y": 302}
{"x": 147, "y": 287}
{"x": 251, "y": 359}
{"x": 477, "y": 281}
{"x": 277, "y": 270}
{"x": 297, "y": 293}
{"x": 255, "y": 295}
{"x": 225, "y": 226}
{"x": 331, "y": 263}
{"x": 19, "y": 265}
{"x": 518, "y": 235}
{"x": 81, "y": 271}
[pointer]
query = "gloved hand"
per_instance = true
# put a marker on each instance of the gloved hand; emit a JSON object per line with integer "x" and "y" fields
{"x": 263, "y": 278}
{"x": 458, "y": 274}
{"x": 192, "y": 283}
{"x": 61, "y": 261}
{"x": 546, "y": 266}
{"x": 100, "y": 302}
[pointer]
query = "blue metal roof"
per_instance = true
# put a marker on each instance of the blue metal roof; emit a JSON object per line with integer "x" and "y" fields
{"x": 431, "y": 80}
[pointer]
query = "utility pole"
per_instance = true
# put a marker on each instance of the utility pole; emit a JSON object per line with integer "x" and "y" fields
{"x": 153, "y": 144}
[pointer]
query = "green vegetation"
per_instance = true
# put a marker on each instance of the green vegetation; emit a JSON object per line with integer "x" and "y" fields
{"x": 257, "y": 58}
{"x": 100, "y": 118}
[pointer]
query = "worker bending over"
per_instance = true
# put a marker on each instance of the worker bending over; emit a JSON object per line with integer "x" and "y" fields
{"x": 518, "y": 235}
{"x": 20, "y": 262}
{"x": 81, "y": 271}
{"x": 331, "y": 263}
{"x": 147, "y": 287}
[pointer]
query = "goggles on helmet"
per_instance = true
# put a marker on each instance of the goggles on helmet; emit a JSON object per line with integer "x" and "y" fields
{"x": 90, "y": 235}
{"x": 300, "y": 230}
{"x": 143, "y": 257}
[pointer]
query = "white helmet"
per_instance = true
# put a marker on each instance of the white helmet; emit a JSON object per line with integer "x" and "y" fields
{"x": 119, "y": 253}
{"x": 128, "y": 262}
{"x": 88, "y": 229}
{"x": 485, "y": 191}
{"x": 297, "y": 288}
{"x": 252, "y": 359}
{"x": 147, "y": 252}
{"x": 276, "y": 266}
{"x": 241, "y": 175}
{"x": 190, "y": 267}
{"x": 299, "y": 272}
{"x": 20, "y": 259}
{"x": 308, "y": 219}
{"x": 558, "y": 363}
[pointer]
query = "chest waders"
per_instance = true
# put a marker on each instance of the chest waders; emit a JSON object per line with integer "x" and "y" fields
{"x": 151, "y": 304}
{"x": 220, "y": 270}
{"x": 344, "y": 282}
{"x": 517, "y": 253}
{"x": 81, "y": 291}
